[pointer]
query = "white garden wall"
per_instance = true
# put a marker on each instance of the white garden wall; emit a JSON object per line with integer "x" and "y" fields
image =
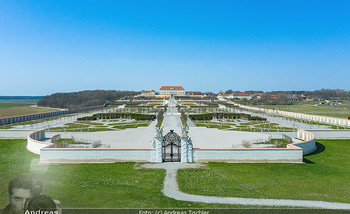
{"x": 316, "y": 118}
{"x": 88, "y": 155}
{"x": 291, "y": 155}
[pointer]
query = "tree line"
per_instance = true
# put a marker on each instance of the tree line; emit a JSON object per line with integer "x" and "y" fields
{"x": 323, "y": 94}
{"x": 83, "y": 98}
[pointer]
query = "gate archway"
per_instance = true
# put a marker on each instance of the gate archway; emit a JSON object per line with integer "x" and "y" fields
{"x": 171, "y": 147}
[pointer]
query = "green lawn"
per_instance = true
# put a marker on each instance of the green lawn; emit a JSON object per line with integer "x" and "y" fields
{"x": 117, "y": 185}
{"x": 324, "y": 176}
{"x": 16, "y": 103}
{"x": 323, "y": 110}
{"x": 10, "y": 105}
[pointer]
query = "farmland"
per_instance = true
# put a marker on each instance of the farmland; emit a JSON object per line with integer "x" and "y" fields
{"x": 11, "y": 108}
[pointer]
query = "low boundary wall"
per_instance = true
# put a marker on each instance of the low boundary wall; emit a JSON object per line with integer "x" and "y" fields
{"x": 309, "y": 145}
{"x": 34, "y": 137}
{"x": 316, "y": 118}
{"x": 93, "y": 155}
{"x": 50, "y": 154}
{"x": 34, "y": 143}
{"x": 267, "y": 155}
{"x": 15, "y": 133}
{"x": 292, "y": 154}
{"x": 24, "y": 118}
{"x": 331, "y": 134}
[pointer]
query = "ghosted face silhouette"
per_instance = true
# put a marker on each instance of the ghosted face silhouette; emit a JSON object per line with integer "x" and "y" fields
{"x": 18, "y": 199}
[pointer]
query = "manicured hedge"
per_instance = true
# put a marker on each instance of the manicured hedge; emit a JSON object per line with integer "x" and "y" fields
{"x": 119, "y": 115}
{"x": 210, "y": 116}
{"x": 256, "y": 118}
{"x": 201, "y": 116}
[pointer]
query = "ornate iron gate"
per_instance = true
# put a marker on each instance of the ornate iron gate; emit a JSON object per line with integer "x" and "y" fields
{"x": 171, "y": 147}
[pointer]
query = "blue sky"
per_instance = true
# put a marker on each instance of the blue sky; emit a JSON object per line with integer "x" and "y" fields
{"x": 65, "y": 46}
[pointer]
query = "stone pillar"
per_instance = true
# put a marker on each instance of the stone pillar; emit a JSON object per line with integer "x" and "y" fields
{"x": 157, "y": 150}
{"x": 189, "y": 151}
{"x": 186, "y": 150}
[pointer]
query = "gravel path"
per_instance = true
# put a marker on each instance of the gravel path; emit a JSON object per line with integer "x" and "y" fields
{"x": 172, "y": 120}
{"x": 171, "y": 189}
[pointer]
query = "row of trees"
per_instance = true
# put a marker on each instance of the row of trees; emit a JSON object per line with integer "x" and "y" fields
{"x": 184, "y": 117}
{"x": 83, "y": 98}
{"x": 323, "y": 94}
{"x": 328, "y": 94}
{"x": 160, "y": 117}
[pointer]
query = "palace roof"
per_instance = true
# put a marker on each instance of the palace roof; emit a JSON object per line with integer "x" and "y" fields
{"x": 148, "y": 91}
{"x": 241, "y": 94}
{"x": 171, "y": 88}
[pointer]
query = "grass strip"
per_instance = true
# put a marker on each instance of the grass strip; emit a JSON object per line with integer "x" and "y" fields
{"x": 324, "y": 176}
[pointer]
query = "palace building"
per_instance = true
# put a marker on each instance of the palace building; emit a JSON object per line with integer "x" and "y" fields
{"x": 153, "y": 92}
{"x": 172, "y": 90}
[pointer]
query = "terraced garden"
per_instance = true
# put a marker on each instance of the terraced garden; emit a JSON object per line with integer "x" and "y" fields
{"x": 103, "y": 125}
{"x": 241, "y": 125}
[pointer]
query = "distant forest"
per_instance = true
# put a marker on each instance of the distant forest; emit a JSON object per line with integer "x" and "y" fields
{"x": 83, "y": 98}
{"x": 323, "y": 94}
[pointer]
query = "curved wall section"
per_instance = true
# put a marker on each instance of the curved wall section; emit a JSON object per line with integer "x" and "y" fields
{"x": 33, "y": 141}
{"x": 309, "y": 145}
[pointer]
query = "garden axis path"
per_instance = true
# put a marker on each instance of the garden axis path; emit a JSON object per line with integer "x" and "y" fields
{"x": 171, "y": 189}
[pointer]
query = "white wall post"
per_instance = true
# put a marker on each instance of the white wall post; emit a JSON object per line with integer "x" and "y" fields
{"x": 157, "y": 150}
{"x": 184, "y": 157}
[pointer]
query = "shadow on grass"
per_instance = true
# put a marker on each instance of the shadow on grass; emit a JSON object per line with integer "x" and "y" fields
{"x": 320, "y": 148}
